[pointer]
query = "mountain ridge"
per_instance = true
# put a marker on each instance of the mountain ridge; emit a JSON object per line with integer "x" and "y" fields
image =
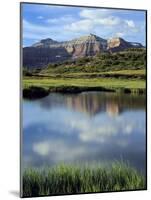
{"x": 50, "y": 51}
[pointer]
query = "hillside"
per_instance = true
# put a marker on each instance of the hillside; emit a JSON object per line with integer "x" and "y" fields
{"x": 131, "y": 59}
{"x": 48, "y": 51}
{"x": 123, "y": 71}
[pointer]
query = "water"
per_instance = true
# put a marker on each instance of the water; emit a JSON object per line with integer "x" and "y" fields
{"x": 85, "y": 128}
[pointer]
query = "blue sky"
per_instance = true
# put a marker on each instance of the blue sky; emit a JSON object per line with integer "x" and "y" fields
{"x": 63, "y": 23}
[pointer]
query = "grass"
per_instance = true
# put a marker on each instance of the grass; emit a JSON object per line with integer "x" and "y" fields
{"x": 69, "y": 179}
{"x": 127, "y": 81}
{"x": 127, "y": 74}
{"x": 108, "y": 83}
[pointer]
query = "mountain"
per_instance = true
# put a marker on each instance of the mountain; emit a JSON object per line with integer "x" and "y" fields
{"x": 88, "y": 45}
{"x": 51, "y": 51}
{"x": 45, "y": 43}
{"x": 119, "y": 44}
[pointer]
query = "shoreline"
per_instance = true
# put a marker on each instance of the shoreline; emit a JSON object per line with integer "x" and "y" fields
{"x": 34, "y": 92}
{"x": 38, "y": 87}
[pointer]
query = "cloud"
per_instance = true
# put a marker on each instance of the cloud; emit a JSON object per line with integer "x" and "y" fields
{"x": 40, "y": 17}
{"x": 76, "y": 22}
{"x": 109, "y": 21}
{"x": 80, "y": 137}
{"x": 130, "y": 23}
{"x": 93, "y": 137}
{"x": 42, "y": 148}
{"x": 102, "y": 21}
{"x": 91, "y": 19}
{"x": 119, "y": 34}
{"x": 64, "y": 19}
{"x": 49, "y": 148}
{"x": 81, "y": 25}
{"x": 47, "y": 30}
{"x": 101, "y": 131}
{"x": 88, "y": 25}
{"x": 94, "y": 14}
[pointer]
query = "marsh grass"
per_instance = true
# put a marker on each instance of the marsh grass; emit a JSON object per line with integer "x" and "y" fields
{"x": 69, "y": 179}
{"x": 63, "y": 84}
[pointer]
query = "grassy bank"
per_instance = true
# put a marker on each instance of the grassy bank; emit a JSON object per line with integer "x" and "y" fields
{"x": 65, "y": 179}
{"x": 85, "y": 84}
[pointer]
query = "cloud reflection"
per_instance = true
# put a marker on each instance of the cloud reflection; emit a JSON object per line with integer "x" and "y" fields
{"x": 60, "y": 134}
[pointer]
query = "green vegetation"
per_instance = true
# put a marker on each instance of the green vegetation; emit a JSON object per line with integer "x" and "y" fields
{"x": 137, "y": 74}
{"x": 121, "y": 72}
{"x": 26, "y": 72}
{"x": 61, "y": 84}
{"x": 67, "y": 179}
{"x": 131, "y": 59}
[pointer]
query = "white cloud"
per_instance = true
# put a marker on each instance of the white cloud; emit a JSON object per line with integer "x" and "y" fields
{"x": 119, "y": 34}
{"x": 38, "y": 32}
{"x": 101, "y": 131}
{"x": 89, "y": 25}
{"x": 126, "y": 29}
{"x": 99, "y": 134}
{"x": 64, "y": 19}
{"x": 130, "y": 23}
{"x": 48, "y": 148}
{"x": 81, "y": 25}
{"x": 104, "y": 23}
{"x": 40, "y": 17}
{"x": 109, "y": 21}
{"x": 90, "y": 21}
{"x": 42, "y": 148}
{"x": 101, "y": 20}
{"x": 93, "y": 14}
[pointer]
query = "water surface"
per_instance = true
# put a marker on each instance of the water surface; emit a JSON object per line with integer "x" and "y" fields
{"x": 85, "y": 128}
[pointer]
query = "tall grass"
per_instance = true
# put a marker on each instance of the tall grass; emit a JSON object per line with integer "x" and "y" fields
{"x": 69, "y": 179}
{"x": 113, "y": 83}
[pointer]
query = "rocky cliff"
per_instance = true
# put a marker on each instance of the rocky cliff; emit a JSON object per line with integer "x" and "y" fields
{"x": 119, "y": 44}
{"x": 51, "y": 51}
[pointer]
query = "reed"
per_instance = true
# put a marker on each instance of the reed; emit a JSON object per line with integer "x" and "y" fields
{"x": 69, "y": 179}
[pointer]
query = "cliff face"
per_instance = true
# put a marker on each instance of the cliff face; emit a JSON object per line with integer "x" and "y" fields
{"x": 119, "y": 44}
{"x": 86, "y": 46}
{"x": 50, "y": 51}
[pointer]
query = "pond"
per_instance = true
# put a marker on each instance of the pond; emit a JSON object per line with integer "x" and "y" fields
{"x": 85, "y": 128}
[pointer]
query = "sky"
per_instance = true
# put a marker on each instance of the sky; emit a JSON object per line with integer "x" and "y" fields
{"x": 64, "y": 23}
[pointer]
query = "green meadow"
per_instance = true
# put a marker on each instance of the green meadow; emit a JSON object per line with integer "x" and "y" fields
{"x": 115, "y": 84}
{"x": 122, "y": 71}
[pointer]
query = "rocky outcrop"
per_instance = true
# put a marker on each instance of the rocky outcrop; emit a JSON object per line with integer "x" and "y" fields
{"x": 85, "y": 46}
{"x": 119, "y": 44}
{"x": 51, "y": 51}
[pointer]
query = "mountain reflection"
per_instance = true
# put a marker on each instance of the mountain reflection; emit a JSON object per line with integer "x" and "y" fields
{"x": 111, "y": 103}
{"x": 84, "y": 128}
